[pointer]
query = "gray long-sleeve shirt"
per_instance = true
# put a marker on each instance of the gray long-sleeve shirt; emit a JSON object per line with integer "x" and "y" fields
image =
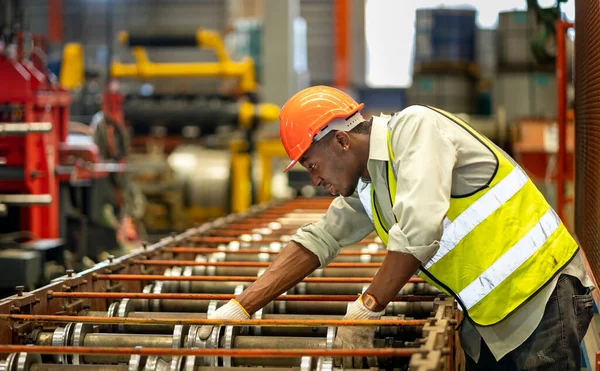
{"x": 435, "y": 159}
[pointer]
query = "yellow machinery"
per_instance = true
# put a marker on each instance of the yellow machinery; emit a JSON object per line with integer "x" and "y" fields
{"x": 145, "y": 69}
{"x": 246, "y": 113}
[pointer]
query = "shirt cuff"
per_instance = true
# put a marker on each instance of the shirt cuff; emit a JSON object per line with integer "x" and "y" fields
{"x": 398, "y": 242}
{"x": 319, "y": 242}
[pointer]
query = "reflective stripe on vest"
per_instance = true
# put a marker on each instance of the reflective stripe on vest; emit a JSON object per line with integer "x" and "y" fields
{"x": 366, "y": 191}
{"x": 510, "y": 261}
{"x": 499, "y": 245}
{"x": 364, "y": 194}
{"x": 478, "y": 212}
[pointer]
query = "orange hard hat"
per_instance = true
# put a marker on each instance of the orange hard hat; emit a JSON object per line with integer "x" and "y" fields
{"x": 310, "y": 114}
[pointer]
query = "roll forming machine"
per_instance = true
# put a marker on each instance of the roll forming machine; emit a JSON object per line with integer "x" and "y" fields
{"x": 143, "y": 311}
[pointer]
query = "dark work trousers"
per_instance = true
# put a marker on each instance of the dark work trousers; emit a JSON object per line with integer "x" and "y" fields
{"x": 555, "y": 343}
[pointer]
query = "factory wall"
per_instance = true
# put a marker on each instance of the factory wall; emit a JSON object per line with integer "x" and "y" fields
{"x": 319, "y": 38}
{"x": 87, "y": 22}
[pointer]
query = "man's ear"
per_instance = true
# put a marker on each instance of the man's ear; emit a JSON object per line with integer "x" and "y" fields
{"x": 342, "y": 140}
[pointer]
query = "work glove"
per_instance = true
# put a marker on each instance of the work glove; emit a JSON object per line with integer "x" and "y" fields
{"x": 231, "y": 310}
{"x": 355, "y": 337}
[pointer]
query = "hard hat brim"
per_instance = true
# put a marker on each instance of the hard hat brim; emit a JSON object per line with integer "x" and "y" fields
{"x": 291, "y": 165}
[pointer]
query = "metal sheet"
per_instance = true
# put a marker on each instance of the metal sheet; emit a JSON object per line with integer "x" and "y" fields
{"x": 587, "y": 129}
{"x": 319, "y": 39}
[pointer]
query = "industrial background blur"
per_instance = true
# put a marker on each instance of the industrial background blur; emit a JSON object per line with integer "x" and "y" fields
{"x": 125, "y": 124}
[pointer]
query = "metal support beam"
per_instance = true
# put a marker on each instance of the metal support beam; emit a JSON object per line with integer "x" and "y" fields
{"x": 280, "y": 79}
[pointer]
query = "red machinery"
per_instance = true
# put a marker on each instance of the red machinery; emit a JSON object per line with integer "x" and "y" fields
{"x": 33, "y": 123}
{"x": 38, "y": 154}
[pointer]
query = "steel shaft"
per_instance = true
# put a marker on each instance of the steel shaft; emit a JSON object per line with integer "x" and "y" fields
{"x": 93, "y": 340}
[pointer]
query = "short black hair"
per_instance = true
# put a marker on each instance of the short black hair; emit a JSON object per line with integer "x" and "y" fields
{"x": 362, "y": 128}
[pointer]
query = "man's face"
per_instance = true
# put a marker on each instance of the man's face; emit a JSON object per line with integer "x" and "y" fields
{"x": 332, "y": 167}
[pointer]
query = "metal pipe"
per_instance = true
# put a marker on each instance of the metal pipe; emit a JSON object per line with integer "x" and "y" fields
{"x": 230, "y": 232}
{"x": 406, "y": 332}
{"x": 44, "y": 338}
{"x": 59, "y": 367}
{"x": 137, "y": 295}
{"x": 186, "y": 306}
{"x": 256, "y": 343}
{"x": 326, "y": 272}
{"x": 352, "y": 288}
{"x": 255, "y": 251}
{"x": 191, "y": 263}
{"x": 123, "y": 340}
{"x": 355, "y": 258}
{"x": 247, "y": 269}
{"x": 210, "y": 250}
{"x": 409, "y": 309}
{"x": 216, "y": 322}
{"x": 218, "y": 240}
{"x": 561, "y": 81}
{"x": 250, "y": 342}
{"x": 241, "y": 343}
{"x": 150, "y": 277}
{"x": 22, "y": 128}
{"x": 98, "y": 367}
{"x": 308, "y": 288}
{"x": 30, "y": 199}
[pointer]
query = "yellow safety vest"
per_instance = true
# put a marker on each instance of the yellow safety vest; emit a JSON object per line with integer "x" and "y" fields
{"x": 499, "y": 246}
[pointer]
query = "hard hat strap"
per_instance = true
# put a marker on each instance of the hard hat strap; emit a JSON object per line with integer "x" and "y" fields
{"x": 340, "y": 124}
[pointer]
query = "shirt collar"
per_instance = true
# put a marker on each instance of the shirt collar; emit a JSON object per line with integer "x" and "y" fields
{"x": 378, "y": 141}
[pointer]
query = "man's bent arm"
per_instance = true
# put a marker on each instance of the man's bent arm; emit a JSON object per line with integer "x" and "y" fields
{"x": 397, "y": 268}
{"x": 291, "y": 266}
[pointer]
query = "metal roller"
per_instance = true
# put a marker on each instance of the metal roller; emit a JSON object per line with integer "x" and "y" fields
{"x": 409, "y": 309}
{"x": 143, "y": 311}
{"x": 183, "y": 337}
{"x": 263, "y": 342}
{"x": 302, "y": 288}
{"x": 175, "y": 114}
{"x": 98, "y": 367}
{"x": 397, "y": 332}
{"x": 233, "y": 256}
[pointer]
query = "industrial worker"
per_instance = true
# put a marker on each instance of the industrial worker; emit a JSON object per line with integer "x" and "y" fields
{"x": 451, "y": 207}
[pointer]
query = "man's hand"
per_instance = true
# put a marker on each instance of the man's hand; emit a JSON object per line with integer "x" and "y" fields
{"x": 292, "y": 264}
{"x": 231, "y": 310}
{"x": 356, "y": 337}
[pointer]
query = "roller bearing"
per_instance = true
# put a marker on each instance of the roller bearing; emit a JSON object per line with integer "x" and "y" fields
{"x": 11, "y": 361}
{"x": 178, "y": 336}
{"x": 366, "y": 256}
{"x": 123, "y": 310}
{"x": 135, "y": 362}
{"x": 233, "y": 246}
{"x": 58, "y": 340}
{"x": 186, "y": 286}
{"x": 67, "y": 340}
{"x": 306, "y": 363}
{"x": 176, "y": 363}
{"x": 190, "y": 363}
{"x": 157, "y": 289}
{"x": 326, "y": 363}
{"x": 152, "y": 363}
{"x": 199, "y": 270}
{"x": 25, "y": 360}
{"x": 79, "y": 332}
{"x": 257, "y": 330}
{"x": 231, "y": 332}
{"x": 173, "y": 286}
{"x": 145, "y": 303}
{"x": 113, "y": 309}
